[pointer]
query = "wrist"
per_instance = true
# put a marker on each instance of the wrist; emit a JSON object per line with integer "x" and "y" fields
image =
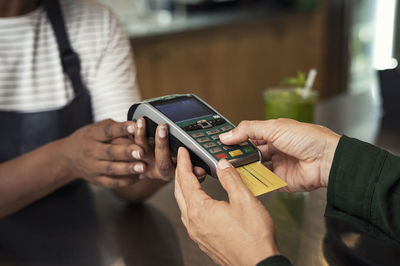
{"x": 331, "y": 144}
{"x": 63, "y": 160}
{"x": 260, "y": 252}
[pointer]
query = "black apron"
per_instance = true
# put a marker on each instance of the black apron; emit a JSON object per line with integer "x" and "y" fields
{"x": 59, "y": 229}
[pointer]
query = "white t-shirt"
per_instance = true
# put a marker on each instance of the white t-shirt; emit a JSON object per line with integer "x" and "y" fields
{"x": 31, "y": 75}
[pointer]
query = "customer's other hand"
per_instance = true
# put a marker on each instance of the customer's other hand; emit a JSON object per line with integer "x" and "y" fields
{"x": 238, "y": 232}
{"x": 301, "y": 153}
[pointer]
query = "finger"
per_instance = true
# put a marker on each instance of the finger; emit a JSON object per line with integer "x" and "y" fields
{"x": 120, "y": 168}
{"x": 269, "y": 165}
{"x": 187, "y": 181}
{"x": 231, "y": 181}
{"x": 122, "y": 141}
{"x": 109, "y": 152}
{"x": 264, "y": 152}
{"x": 108, "y": 130}
{"x": 199, "y": 172}
{"x": 256, "y": 130}
{"x": 113, "y": 183}
{"x": 181, "y": 202}
{"x": 140, "y": 135}
{"x": 258, "y": 142}
{"x": 267, "y": 151}
{"x": 162, "y": 152}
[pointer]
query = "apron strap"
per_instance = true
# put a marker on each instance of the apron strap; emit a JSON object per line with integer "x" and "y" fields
{"x": 69, "y": 59}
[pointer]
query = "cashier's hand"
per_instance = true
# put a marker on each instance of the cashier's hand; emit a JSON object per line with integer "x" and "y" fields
{"x": 238, "y": 232}
{"x": 94, "y": 154}
{"x": 155, "y": 154}
{"x": 301, "y": 153}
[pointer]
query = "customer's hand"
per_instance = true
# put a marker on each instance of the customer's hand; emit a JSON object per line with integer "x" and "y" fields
{"x": 238, "y": 232}
{"x": 93, "y": 153}
{"x": 301, "y": 153}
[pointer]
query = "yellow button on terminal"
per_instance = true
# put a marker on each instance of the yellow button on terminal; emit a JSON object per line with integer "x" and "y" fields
{"x": 235, "y": 153}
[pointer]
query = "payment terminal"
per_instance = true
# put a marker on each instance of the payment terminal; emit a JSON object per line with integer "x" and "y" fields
{"x": 194, "y": 124}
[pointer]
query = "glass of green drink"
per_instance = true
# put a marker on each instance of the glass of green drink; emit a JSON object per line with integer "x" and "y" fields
{"x": 290, "y": 103}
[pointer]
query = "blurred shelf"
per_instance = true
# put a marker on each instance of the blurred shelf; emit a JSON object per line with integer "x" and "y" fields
{"x": 162, "y": 23}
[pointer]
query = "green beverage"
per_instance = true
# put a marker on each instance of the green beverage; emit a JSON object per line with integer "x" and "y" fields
{"x": 290, "y": 103}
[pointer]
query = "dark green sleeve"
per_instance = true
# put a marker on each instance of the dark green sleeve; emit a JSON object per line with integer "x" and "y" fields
{"x": 277, "y": 260}
{"x": 364, "y": 188}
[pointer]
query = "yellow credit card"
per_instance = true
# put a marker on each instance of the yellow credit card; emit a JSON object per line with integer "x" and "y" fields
{"x": 259, "y": 179}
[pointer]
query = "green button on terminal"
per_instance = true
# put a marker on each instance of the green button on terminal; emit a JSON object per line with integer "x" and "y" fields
{"x": 248, "y": 149}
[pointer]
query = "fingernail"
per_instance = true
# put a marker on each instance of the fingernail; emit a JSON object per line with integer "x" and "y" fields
{"x": 180, "y": 149}
{"x": 136, "y": 155}
{"x": 223, "y": 164}
{"x": 225, "y": 136}
{"x": 131, "y": 129}
{"x": 138, "y": 168}
{"x": 162, "y": 132}
{"x": 140, "y": 123}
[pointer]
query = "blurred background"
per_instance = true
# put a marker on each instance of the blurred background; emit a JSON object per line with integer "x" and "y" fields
{"x": 229, "y": 51}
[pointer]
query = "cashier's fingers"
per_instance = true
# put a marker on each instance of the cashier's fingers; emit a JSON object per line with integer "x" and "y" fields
{"x": 108, "y": 130}
{"x": 187, "y": 181}
{"x": 113, "y": 183}
{"x": 162, "y": 153}
{"x": 140, "y": 135}
{"x": 114, "y": 152}
{"x": 119, "y": 169}
{"x": 122, "y": 141}
{"x": 232, "y": 183}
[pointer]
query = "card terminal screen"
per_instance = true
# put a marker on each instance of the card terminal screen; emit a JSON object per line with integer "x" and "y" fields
{"x": 179, "y": 110}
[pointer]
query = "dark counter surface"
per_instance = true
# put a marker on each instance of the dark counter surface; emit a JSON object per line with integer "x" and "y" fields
{"x": 92, "y": 227}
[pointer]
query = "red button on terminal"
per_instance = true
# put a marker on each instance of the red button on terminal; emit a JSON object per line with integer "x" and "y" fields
{"x": 221, "y": 156}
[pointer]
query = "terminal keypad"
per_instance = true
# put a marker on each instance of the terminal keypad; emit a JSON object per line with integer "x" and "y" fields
{"x": 208, "y": 137}
{"x": 215, "y": 137}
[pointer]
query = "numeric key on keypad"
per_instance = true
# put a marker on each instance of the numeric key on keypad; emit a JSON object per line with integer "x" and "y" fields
{"x": 215, "y": 137}
{"x": 215, "y": 150}
{"x": 226, "y": 128}
{"x": 198, "y": 135}
{"x": 209, "y": 145}
{"x": 201, "y": 140}
{"x": 212, "y": 132}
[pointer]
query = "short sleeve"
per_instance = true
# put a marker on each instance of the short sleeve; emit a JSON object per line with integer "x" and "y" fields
{"x": 114, "y": 85}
